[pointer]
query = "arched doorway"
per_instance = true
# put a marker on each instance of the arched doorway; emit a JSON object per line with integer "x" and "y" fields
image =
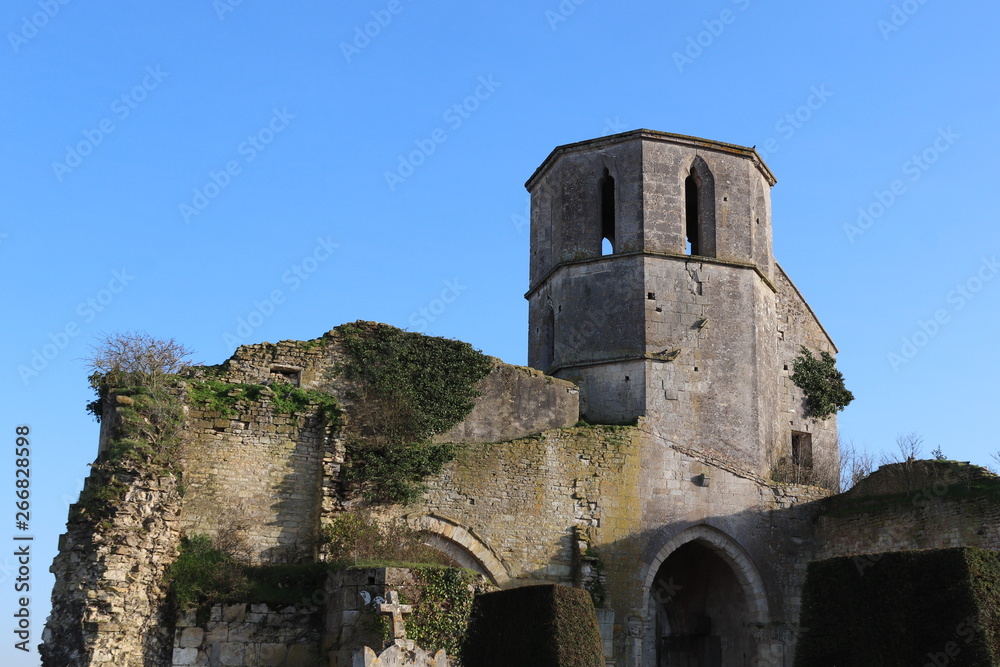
{"x": 705, "y": 599}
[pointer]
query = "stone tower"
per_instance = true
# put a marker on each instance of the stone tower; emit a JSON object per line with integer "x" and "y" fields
{"x": 654, "y": 287}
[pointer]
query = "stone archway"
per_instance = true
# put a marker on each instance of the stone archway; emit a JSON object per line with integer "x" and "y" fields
{"x": 705, "y": 599}
{"x": 452, "y": 539}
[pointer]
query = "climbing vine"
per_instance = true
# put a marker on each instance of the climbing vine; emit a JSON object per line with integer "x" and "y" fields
{"x": 441, "y": 614}
{"x": 409, "y": 388}
{"x": 821, "y": 382}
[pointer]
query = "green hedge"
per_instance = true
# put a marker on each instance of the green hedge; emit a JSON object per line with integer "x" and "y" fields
{"x": 911, "y": 609}
{"x": 542, "y": 626}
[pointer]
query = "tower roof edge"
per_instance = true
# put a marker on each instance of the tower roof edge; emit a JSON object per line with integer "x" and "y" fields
{"x": 652, "y": 135}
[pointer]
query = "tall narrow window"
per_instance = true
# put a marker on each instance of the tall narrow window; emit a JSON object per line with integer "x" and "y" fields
{"x": 548, "y": 341}
{"x": 607, "y": 184}
{"x": 691, "y": 217}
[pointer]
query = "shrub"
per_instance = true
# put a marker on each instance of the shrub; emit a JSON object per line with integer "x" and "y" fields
{"x": 821, "y": 382}
{"x": 897, "y": 609}
{"x": 543, "y": 626}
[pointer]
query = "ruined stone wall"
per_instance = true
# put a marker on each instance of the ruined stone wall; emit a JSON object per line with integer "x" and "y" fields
{"x": 250, "y": 635}
{"x": 916, "y": 505}
{"x": 108, "y": 600}
{"x": 258, "y": 476}
{"x": 516, "y": 401}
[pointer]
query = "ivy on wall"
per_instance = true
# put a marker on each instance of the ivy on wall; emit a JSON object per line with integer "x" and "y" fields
{"x": 409, "y": 388}
{"x": 821, "y": 382}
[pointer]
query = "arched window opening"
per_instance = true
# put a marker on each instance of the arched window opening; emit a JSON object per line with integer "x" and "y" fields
{"x": 607, "y": 185}
{"x": 691, "y": 214}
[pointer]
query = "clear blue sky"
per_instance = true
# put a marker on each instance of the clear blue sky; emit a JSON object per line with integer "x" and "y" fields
{"x": 173, "y": 168}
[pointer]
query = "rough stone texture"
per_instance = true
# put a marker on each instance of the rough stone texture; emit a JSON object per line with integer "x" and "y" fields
{"x": 265, "y": 470}
{"x": 250, "y": 635}
{"x": 108, "y": 600}
{"x": 516, "y": 401}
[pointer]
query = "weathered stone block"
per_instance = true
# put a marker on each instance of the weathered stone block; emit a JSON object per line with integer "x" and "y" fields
{"x": 191, "y": 638}
{"x": 232, "y": 654}
{"x": 185, "y": 656}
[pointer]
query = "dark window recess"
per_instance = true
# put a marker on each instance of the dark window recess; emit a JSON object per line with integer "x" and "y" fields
{"x": 802, "y": 449}
{"x": 607, "y": 185}
{"x": 691, "y": 214}
{"x": 651, "y": 295}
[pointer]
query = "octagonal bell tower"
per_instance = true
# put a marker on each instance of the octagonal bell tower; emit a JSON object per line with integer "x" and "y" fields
{"x": 654, "y": 287}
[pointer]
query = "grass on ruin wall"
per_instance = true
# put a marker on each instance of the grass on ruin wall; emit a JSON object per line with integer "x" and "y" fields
{"x": 409, "y": 388}
{"x": 227, "y": 398}
{"x": 902, "y": 609}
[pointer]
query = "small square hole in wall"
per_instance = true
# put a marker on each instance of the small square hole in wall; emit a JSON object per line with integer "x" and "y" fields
{"x": 786, "y": 367}
{"x": 695, "y": 369}
{"x": 286, "y": 374}
{"x": 650, "y": 295}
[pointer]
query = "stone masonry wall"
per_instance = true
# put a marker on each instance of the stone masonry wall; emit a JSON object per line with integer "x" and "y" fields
{"x": 597, "y": 506}
{"x": 107, "y": 603}
{"x": 258, "y": 476}
{"x": 921, "y": 505}
{"x": 250, "y": 635}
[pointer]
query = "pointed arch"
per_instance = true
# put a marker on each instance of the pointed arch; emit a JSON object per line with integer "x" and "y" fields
{"x": 705, "y": 596}
{"x": 730, "y": 551}
{"x": 699, "y": 209}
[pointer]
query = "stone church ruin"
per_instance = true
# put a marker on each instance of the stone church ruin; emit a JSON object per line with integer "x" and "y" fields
{"x": 656, "y": 452}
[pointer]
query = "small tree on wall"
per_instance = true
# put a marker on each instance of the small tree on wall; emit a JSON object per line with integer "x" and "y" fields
{"x": 821, "y": 382}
